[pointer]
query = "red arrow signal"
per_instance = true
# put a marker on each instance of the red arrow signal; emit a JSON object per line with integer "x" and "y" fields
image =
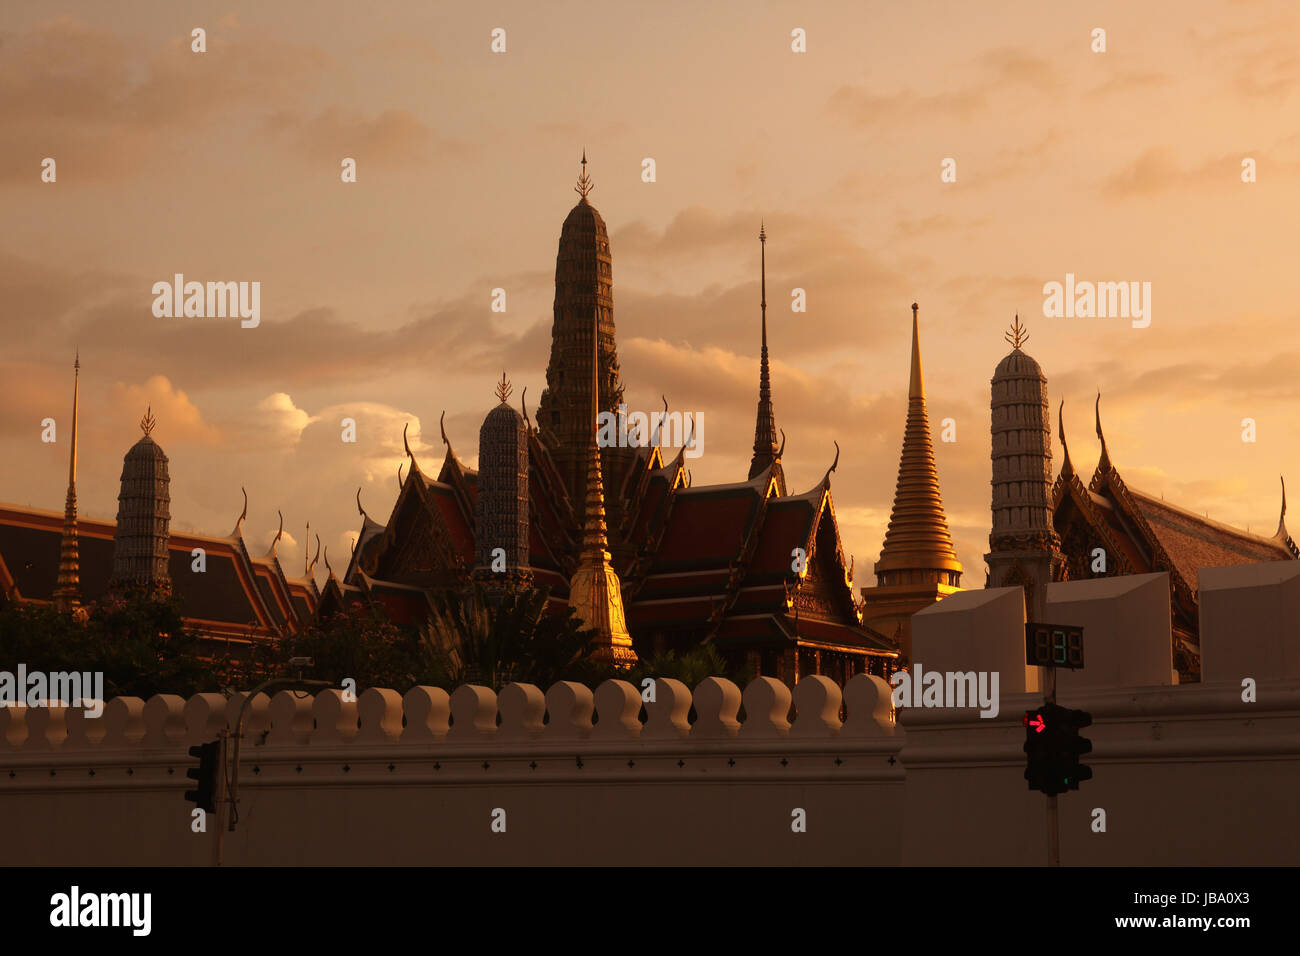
{"x": 1038, "y": 723}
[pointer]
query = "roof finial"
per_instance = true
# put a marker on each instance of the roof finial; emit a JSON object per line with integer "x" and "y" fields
{"x": 1066, "y": 467}
{"x": 147, "y": 423}
{"x": 523, "y": 403}
{"x": 242, "y": 515}
{"x": 399, "y": 475}
{"x": 327, "y": 561}
{"x": 407, "y": 446}
{"x": 315, "y": 557}
{"x": 835, "y": 464}
{"x": 1017, "y": 336}
{"x": 781, "y": 451}
{"x": 504, "y": 388}
{"x": 279, "y": 534}
{"x": 585, "y": 185}
{"x": 1103, "y": 463}
{"x": 359, "y": 508}
{"x": 1281, "y": 518}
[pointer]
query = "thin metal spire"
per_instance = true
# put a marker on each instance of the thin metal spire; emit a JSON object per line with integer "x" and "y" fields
{"x": 66, "y": 594}
{"x": 765, "y": 450}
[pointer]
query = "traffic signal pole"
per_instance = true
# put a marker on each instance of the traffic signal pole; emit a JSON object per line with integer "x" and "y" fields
{"x": 221, "y": 795}
{"x": 1053, "y": 819}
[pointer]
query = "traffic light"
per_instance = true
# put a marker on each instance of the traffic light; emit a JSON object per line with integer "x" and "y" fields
{"x": 1072, "y": 746}
{"x": 204, "y": 795}
{"x": 1053, "y": 745}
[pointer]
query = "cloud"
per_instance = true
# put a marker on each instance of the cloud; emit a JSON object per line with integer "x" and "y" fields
{"x": 175, "y": 413}
{"x": 393, "y": 137}
{"x": 1128, "y": 82}
{"x": 997, "y": 72}
{"x": 284, "y": 416}
{"x": 1159, "y": 170}
{"x": 938, "y": 224}
{"x": 105, "y": 108}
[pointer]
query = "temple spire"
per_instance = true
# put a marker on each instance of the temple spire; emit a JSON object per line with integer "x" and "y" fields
{"x": 918, "y": 537}
{"x": 916, "y": 384}
{"x": 766, "y": 453}
{"x": 595, "y": 592}
{"x": 67, "y": 593}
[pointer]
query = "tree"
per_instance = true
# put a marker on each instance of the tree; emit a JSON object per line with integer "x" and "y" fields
{"x": 472, "y": 639}
{"x": 138, "y": 641}
{"x": 360, "y": 643}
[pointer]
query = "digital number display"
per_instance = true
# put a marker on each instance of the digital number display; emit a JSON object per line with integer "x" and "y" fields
{"x": 1054, "y": 645}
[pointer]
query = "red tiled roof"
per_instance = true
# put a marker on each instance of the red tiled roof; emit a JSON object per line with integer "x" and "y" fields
{"x": 708, "y": 526}
{"x": 788, "y": 525}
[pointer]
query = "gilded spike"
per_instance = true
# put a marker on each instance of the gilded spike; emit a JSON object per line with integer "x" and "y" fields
{"x": 1017, "y": 336}
{"x": 595, "y": 591}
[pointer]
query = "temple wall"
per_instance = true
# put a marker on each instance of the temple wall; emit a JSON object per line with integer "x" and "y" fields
{"x": 1185, "y": 774}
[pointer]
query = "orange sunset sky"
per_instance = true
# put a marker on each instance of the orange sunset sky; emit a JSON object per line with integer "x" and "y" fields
{"x": 1115, "y": 166}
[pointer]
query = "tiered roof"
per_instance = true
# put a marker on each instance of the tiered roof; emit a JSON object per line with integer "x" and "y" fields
{"x": 238, "y": 597}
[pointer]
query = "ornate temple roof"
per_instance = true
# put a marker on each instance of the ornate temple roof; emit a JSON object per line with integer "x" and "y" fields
{"x": 1143, "y": 533}
{"x": 236, "y": 598}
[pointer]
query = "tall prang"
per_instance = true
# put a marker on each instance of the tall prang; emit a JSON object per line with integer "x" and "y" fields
{"x": 140, "y": 555}
{"x": 584, "y": 304}
{"x": 917, "y": 565}
{"x": 1024, "y": 548}
{"x": 766, "y": 453}
{"x": 67, "y": 592}
{"x": 502, "y": 507}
